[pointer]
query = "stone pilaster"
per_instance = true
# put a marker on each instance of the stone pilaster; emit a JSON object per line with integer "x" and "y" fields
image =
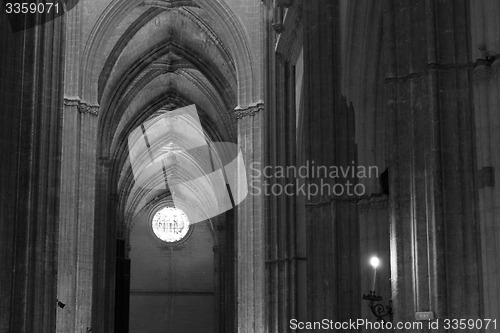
{"x": 432, "y": 190}
{"x": 250, "y": 228}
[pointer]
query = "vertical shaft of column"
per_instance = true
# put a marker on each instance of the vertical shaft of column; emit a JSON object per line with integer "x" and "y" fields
{"x": 102, "y": 236}
{"x": 432, "y": 203}
{"x": 68, "y": 235}
{"x": 86, "y": 207}
{"x": 45, "y": 178}
{"x": 485, "y": 17}
{"x": 271, "y": 202}
{"x": 33, "y": 109}
{"x": 250, "y": 228}
{"x": 321, "y": 102}
{"x": 229, "y": 282}
{"x": 76, "y": 226}
{"x": 318, "y": 108}
{"x": 281, "y": 259}
{"x": 69, "y": 215}
{"x": 15, "y": 122}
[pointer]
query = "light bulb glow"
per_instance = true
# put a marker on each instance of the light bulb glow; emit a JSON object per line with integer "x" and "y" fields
{"x": 374, "y": 261}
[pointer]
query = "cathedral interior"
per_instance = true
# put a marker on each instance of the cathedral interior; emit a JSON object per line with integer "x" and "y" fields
{"x": 199, "y": 166}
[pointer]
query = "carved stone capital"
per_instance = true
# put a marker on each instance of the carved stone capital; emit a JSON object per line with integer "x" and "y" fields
{"x": 93, "y": 110}
{"x": 251, "y": 111}
{"x": 82, "y": 107}
{"x": 69, "y": 101}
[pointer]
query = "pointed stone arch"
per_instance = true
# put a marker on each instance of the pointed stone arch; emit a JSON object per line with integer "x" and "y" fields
{"x": 230, "y": 29}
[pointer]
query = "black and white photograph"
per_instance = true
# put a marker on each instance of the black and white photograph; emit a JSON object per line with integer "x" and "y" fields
{"x": 249, "y": 166}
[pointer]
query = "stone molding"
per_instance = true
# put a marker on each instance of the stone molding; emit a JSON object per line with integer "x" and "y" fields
{"x": 92, "y": 110}
{"x": 251, "y": 111}
{"x": 83, "y": 107}
{"x": 170, "y": 4}
{"x": 71, "y": 101}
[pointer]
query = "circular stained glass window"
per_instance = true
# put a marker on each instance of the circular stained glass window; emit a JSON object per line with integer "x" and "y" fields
{"x": 170, "y": 224}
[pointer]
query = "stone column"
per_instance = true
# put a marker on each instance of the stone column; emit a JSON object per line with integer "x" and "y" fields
{"x": 224, "y": 277}
{"x": 320, "y": 65}
{"x": 30, "y": 119}
{"x": 76, "y": 226}
{"x": 68, "y": 236}
{"x": 77, "y": 174}
{"x": 250, "y": 227}
{"x": 281, "y": 242}
{"x": 106, "y": 202}
{"x": 332, "y": 227}
{"x": 284, "y": 43}
{"x": 431, "y": 160}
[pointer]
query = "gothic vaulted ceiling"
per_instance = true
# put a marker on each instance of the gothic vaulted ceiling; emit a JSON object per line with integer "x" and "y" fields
{"x": 153, "y": 57}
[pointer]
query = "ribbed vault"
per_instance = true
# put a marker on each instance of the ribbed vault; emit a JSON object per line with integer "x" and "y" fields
{"x": 159, "y": 56}
{"x": 121, "y": 20}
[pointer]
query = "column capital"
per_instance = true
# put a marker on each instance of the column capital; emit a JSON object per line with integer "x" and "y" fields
{"x": 251, "y": 110}
{"x": 83, "y": 107}
{"x": 92, "y": 110}
{"x": 71, "y": 101}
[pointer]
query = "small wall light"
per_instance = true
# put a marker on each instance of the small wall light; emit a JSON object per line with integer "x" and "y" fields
{"x": 378, "y": 309}
{"x": 375, "y": 261}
